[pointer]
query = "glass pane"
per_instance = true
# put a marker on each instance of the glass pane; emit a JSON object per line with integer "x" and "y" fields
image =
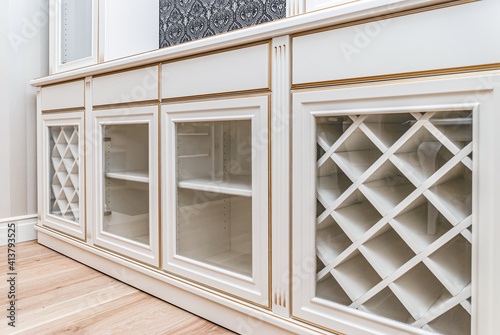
{"x": 76, "y": 30}
{"x": 126, "y": 181}
{"x": 375, "y": 213}
{"x": 64, "y": 172}
{"x": 214, "y": 193}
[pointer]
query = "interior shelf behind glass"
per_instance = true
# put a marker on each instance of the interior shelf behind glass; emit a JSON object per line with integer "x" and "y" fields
{"x": 126, "y": 181}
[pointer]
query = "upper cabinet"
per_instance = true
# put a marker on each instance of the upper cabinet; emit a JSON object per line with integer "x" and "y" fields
{"x": 73, "y": 34}
{"x": 87, "y": 32}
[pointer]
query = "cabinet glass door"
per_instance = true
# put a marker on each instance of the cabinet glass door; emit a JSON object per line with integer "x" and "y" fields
{"x": 73, "y": 34}
{"x": 76, "y": 30}
{"x": 127, "y": 168}
{"x": 64, "y": 174}
{"x": 217, "y": 195}
{"x": 214, "y": 193}
{"x": 390, "y": 230}
{"x": 126, "y": 181}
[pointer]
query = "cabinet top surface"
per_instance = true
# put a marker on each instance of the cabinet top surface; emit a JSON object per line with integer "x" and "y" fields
{"x": 349, "y": 12}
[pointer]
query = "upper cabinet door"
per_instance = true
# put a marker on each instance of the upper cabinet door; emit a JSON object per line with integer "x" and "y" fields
{"x": 126, "y": 182}
{"x": 63, "y": 173}
{"x": 386, "y": 216}
{"x": 73, "y": 34}
{"x": 215, "y": 194}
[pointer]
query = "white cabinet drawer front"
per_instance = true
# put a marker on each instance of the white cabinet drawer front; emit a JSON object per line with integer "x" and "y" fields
{"x": 130, "y": 86}
{"x": 401, "y": 45}
{"x": 231, "y": 71}
{"x": 63, "y": 96}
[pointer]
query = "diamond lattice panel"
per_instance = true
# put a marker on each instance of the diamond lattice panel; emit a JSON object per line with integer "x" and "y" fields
{"x": 394, "y": 209}
{"x": 64, "y": 171}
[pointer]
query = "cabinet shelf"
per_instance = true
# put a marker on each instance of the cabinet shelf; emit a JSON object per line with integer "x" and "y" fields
{"x": 356, "y": 276}
{"x": 137, "y": 176}
{"x": 387, "y": 252}
{"x": 233, "y": 261}
{"x": 236, "y": 185}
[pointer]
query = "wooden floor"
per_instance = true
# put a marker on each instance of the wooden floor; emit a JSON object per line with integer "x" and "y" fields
{"x": 57, "y": 295}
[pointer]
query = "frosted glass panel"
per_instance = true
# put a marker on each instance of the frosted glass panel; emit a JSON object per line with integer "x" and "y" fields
{"x": 126, "y": 181}
{"x": 394, "y": 224}
{"x": 64, "y": 171}
{"x": 76, "y": 30}
{"x": 214, "y": 193}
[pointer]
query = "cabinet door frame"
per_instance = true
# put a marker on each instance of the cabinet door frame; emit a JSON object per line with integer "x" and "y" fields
{"x": 478, "y": 94}
{"x": 55, "y": 42}
{"x": 256, "y": 109}
{"x": 71, "y": 228}
{"x": 114, "y": 243}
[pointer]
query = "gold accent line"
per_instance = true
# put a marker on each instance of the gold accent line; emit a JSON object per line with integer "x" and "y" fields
{"x": 64, "y": 110}
{"x": 84, "y": 159}
{"x": 400, "y": 81}
{"x": 171, "y": 276}
{"x": 159, "y": 172}
{"x": 269, "y": 204}
{"x": 215, "y": 95}
{"x": 133, "y": 68}
{"x": 384, "y": 17}
{"x": 214, "y": 52}
{"x": 316, "y": 325}
{"x": 242, "y": 95}
{"x": 126, "y": 257}
{"x": 405, "y": 75}
{"x": 270, "y": 65}
{"x": 123, "y": 105}
{"x": 160, "y": 72}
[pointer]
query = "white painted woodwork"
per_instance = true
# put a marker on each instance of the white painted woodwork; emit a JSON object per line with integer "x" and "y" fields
{"x": 419, "y": 99}
{"x": 231, "y": 71}
{"x": 236, "y": 299}
{"x": 63, "y": 173}
{"x": 129, "y": 86}
{"x": 400, "y": 45}
{"x": 129, "y": 226}
{"x": 316, "y": 19}
{"x": 25, "y": 228}
{"x": 220, "y": 242}
{"x": 127, "y": 28}
{"x": 280, "y": 173}
{"x": 63, "y": 96}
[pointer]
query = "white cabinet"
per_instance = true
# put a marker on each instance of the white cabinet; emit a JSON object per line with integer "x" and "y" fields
{"x": 73, "y": 34}
{"x": 63, "y": 172}
{"x": 215, "y": 173}
{"x": 385, "y": 211}
{"x": 126, "y": 182}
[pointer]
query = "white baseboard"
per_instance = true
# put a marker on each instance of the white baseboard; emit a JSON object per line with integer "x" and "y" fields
{"x": 25, "y": 228}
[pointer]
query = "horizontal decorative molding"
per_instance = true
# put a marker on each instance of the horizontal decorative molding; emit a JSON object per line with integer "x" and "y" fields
{"x": 25, "y": 228}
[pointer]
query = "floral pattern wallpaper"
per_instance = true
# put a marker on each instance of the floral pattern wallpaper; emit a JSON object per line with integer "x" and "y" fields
{"x": 187, "y": 20}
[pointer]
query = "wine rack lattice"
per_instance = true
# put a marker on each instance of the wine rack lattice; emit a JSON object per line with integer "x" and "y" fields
{"x": 394, "y": 205}
{"x": 64, "y": 171}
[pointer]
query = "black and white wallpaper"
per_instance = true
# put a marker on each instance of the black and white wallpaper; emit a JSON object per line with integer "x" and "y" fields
{"x": 187, "y": 20}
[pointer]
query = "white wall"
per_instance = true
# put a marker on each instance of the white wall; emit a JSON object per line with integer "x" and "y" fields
{"x": 23, "y": 56}
{"x": 130, "y": 27}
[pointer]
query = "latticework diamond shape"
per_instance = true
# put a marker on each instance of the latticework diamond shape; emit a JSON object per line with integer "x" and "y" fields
{"x": 64, "y": 172}
{"x": 395, "y": 240}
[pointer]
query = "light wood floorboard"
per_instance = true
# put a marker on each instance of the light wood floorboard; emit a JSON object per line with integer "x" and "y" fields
{"x": 57, "y": 295}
